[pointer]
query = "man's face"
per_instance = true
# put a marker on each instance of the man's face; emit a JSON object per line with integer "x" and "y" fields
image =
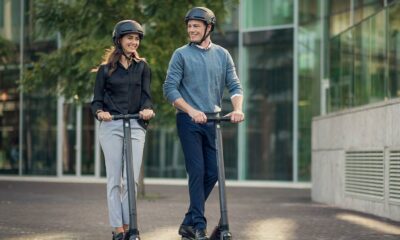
{"x": 195, "y": 29}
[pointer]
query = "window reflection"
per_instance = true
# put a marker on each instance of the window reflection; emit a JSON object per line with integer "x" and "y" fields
{"x": 309, "y": 81}
{"x": 369, "y": 60}
{"x": 269, "y": 58}
{"x": 261, "y": 13}
{"x": 40, "y": 135}
{"x": 9, "y": 122}
{"x": 366, "y": 8}
{"x": 357, "y": 70}
{"x": 394, "y": 50}
{"x": 339, "y": 12}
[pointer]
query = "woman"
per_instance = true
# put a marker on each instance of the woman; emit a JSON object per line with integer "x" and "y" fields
{"x": 122, "y": 87}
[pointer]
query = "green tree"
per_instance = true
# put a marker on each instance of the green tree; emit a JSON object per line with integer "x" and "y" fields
{"x": 7, "y": 52}
{"x": 85, "y": 29}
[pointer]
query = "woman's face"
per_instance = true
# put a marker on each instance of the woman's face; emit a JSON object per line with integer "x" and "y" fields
{"x": 130, "y": 42}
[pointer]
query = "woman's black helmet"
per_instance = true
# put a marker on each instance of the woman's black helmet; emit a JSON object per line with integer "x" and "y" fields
{"x": 201, "y": 14}
{"x": 124, "y": 27}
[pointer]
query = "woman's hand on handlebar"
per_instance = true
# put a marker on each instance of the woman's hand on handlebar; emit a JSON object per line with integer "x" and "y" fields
{"x": 147, "y": 114}
{"x": 104, "y": 116}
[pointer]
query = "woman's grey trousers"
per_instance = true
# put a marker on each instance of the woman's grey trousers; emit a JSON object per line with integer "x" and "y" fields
{"x": 111, "y": 134}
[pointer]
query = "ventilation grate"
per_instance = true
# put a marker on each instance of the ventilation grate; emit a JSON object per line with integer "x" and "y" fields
{"x": 394, "y": 176}
{"x": 364, "y": 173}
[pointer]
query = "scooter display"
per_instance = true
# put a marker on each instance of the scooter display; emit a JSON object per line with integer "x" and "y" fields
{"x": 133, "y": 231}
{"x": 221, "y": 232}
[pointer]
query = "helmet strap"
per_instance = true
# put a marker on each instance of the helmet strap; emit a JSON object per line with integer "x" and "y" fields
{"x": 129, "y": 58}
{"x": 205, "y": 36}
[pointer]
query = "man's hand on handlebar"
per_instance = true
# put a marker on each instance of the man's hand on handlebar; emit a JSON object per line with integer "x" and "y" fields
{"x": 236, "y": 116}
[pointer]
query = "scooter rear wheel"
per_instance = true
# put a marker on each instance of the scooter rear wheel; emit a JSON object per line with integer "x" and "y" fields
{"x": 226, "y": 235}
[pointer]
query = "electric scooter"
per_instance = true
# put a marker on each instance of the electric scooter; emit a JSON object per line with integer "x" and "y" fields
{"x": 133, "y": 231}
{"x": 221, "y": 232}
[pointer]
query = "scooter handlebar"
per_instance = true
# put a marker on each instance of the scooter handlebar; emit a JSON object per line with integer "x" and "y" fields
{"x": 218, "y": 119}
{"x": 125, "y": 116}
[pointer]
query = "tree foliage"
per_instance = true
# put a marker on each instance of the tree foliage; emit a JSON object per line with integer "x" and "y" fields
{"x": 85, "y": 29}
{"x": 7, "y": 52}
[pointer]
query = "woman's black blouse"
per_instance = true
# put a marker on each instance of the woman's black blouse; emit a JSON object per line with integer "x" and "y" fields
{"x": 126, "y": 91}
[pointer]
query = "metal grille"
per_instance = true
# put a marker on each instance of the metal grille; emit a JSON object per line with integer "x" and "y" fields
{"x": 394, "y": 176}
{"x": 364, "y": 173}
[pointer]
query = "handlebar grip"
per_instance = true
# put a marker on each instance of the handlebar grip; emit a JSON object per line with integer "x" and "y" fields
{"x": 125, "y": 116}
{"x": 219, "y": 119}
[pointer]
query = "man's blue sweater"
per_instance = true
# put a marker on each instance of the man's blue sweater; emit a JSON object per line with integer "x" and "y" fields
{"x": 199, "y": 76}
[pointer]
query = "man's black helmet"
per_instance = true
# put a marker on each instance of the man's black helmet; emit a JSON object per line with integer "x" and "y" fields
{"x": 124, "y": 27}
{"x": 201, "y": 14}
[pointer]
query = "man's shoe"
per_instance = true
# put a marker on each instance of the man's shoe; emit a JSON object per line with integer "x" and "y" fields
{"x": 200, "y": 234}
{"x": 118, "y": 236}
{"x": 186, "y": 232}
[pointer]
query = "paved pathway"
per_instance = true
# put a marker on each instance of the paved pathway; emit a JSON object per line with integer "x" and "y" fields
{"x": 55, "y": 211}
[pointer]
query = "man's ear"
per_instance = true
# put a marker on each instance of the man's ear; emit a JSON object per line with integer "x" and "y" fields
{"x": 209, "y": 26}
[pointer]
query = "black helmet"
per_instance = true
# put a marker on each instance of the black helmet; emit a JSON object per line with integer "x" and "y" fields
{"x": 124, "y": 27}
{"x": 202, "y": 14}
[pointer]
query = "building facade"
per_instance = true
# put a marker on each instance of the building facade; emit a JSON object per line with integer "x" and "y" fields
{"x": 295, "y": 59}
{"x": 355, "y": 147}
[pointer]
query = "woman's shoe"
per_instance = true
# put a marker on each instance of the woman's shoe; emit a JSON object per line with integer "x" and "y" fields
{"x": 118, "y": 236}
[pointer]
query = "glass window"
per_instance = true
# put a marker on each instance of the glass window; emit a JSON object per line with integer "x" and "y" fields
{"x": 88, "y": 141}
{"x": 309, "y": 81}
{"x": 1, "y": 15}
{"x": 231, "y": 22}
{"x": 69, "y": 139}
{"x": 394, "y": 50}
{"x": 339, "y": 12}
{"x": 366, "y": 8}
{"x": 40, "y": 135}
{"x": 309, "y": 11}
{"x": 15, "y": 20}
{"x": 163, "y": 154}
{"x": 357, "y": 70}
{"x": 9, "y": 122}
{"x": 341, "y": 71}
{"x": 269, "y": 75}
{"x": 261, "y": 13}
{"x": 369, "y": 60}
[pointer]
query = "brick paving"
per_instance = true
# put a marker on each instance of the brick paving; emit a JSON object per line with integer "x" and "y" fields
{"x": 53, "y": 211}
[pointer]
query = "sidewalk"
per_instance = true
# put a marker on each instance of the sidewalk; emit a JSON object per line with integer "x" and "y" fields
{"x": 55, "y": 211}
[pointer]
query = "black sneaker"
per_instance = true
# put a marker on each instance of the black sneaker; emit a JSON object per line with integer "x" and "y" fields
{"x": 118, "y": 236}
{"x": 200, "y": 234}
{"x": 186, "y": 232}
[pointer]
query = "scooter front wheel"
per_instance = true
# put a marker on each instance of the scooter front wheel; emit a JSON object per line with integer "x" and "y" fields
{"x": 134, "y": 238}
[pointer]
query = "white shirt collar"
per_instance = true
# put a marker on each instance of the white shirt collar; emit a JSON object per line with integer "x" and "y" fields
{"x": 201, "y": 47}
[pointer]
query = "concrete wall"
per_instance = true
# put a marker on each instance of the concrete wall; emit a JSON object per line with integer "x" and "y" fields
{"x": 372, "y": 127}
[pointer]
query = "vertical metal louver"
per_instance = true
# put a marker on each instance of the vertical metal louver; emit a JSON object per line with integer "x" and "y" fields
{"x": 364, "y": 173}
{"x": 394, "y": 176}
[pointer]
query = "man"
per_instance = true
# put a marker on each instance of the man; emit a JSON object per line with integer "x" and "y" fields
{"x": 197, "y": 75}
